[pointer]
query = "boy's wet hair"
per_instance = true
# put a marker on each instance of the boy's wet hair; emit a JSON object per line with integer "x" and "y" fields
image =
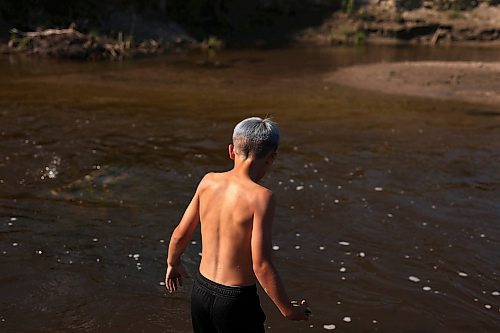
{"x": 256, "y": 137}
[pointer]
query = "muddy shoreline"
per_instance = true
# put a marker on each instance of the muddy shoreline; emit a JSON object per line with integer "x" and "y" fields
{"x": 475, "y": 82}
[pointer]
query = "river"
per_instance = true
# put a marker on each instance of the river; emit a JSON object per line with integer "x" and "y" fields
{"x": 388, "y": 216}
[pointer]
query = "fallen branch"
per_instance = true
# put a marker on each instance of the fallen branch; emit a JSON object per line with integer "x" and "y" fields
{"x": 48, "y": 32}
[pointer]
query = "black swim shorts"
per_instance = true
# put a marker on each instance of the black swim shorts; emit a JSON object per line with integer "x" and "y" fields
{"x": 223, "y": 309}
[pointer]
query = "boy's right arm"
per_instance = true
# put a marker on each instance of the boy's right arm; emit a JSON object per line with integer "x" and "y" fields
{"x": 179, "y": 241}
{"x": 263, "y": 267}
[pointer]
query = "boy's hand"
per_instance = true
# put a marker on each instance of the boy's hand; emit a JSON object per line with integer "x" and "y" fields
{"x": 174, "y": 276}
{"x": 299, "y": 311}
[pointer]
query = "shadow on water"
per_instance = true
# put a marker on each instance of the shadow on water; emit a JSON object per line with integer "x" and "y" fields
{"x": 483, "y": 113}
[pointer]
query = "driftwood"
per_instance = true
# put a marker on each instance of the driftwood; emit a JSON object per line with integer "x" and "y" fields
{"x": 48, "y": 32}
{"x": 71, "y": 43}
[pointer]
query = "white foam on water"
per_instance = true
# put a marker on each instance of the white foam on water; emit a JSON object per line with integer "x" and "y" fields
{"x": 329, "y": 327}
{"x": 347, "y": 319}
{"x": 414, "y": 279}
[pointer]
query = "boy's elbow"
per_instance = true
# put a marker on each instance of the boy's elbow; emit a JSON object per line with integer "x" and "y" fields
{"x": 178, "y": 236}
{"x": 261, "y": 267}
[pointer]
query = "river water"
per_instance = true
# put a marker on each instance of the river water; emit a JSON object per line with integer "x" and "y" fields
{"x": 388, "y": 213}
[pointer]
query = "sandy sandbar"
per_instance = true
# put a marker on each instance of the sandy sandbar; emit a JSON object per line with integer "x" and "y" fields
{"x": 476, "y": 82}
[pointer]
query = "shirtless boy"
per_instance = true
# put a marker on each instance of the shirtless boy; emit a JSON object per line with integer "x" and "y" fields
{"x": 236, "y": 216}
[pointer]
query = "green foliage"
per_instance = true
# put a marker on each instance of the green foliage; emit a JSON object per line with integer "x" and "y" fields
{"x": 23, "y": 43}
{"x": 363, "y": 15}
{"x": 455, "y": 14}
{"x": 213, "y": 42}
{"x": 96, "y": 33}
{"x": 463, "y": 4}
{"x": 455, "y": 4}
{"x": 348, "y": 6}
{"x": 360, "y": 37}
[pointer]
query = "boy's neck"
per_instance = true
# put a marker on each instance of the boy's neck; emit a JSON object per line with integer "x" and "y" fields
{"x": 250, "y": 168}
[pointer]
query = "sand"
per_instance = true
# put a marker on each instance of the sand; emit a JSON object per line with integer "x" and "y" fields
{"x": 476, "y": 82}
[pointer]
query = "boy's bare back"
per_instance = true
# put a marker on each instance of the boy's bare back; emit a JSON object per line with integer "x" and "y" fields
{"x": 227, "y": 230}
{"x": 236, "y": 217}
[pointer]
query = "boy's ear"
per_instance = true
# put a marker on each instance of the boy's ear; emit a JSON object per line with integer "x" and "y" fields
{"x": 231, "y": 151}
{"x": 271, "y": 157}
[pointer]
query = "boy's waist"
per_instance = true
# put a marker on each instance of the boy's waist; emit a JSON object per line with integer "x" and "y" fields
{"x": 224, "y": 290}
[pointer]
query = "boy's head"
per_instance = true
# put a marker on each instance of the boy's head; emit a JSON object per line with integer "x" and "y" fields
{"x": 256, "y": 137}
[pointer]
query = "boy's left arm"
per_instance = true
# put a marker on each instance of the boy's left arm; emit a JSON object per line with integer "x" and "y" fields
{"x": 178, "y": 243}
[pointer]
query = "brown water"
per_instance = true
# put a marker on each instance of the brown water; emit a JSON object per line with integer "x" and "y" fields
{"x": 98, "y": 161}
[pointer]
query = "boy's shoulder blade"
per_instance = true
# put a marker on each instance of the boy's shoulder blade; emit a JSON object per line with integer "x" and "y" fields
{"x": 263, "y": 192}
{"x": 211, "y": 179}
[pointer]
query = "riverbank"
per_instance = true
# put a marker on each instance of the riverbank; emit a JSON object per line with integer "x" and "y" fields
{"x": 475, "y": 82}
{"x": 72, "y": 44}
{"x": 425, "y": 26}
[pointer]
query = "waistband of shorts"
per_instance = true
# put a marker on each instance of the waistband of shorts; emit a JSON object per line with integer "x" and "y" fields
{"x": 223, "y": 290}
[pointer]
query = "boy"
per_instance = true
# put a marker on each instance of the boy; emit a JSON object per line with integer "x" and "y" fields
{"x": 236, "y": 215}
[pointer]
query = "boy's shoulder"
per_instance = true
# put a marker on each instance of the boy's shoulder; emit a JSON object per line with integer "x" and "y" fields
{"x": 222, "y": 178}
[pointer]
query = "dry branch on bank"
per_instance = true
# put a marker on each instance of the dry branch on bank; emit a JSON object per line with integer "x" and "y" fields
{"x": 70, "y": 43}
